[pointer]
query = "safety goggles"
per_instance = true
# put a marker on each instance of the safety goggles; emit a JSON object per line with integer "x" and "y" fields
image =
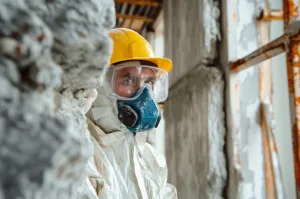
{"x": 127, "y": 82}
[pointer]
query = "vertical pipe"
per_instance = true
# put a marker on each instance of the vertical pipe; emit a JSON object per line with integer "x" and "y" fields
{"x": 294, "y": 93}
{"x": 293, "y": 64}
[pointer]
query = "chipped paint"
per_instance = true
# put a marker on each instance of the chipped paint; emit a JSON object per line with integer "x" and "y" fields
{"x": 250, "y": 123}
{"x": 287, "y": 43}
{"x": 253, "y": 171}
{"x": 243, "y": 129}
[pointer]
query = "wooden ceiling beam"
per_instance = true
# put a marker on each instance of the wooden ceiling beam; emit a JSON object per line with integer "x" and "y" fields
{"x": 139, "y": 2}
{"x": 146, "y": 19}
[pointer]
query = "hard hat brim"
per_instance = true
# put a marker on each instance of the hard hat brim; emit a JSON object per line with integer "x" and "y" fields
{"x": 163, "y": 63}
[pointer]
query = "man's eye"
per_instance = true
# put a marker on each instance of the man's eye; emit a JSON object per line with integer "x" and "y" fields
{"x": 129, "y": 81}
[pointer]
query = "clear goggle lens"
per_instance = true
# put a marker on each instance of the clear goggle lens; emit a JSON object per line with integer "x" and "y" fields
{"x": 127, "y": 82}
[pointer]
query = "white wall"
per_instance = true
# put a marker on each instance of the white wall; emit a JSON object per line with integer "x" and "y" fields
{"x": 244, "y": 141}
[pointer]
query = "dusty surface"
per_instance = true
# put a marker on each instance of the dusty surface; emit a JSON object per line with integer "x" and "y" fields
{"x": 194, "y": 112}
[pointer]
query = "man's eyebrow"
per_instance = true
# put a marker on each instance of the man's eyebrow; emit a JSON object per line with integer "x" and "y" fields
{"x": 126, "y": 72}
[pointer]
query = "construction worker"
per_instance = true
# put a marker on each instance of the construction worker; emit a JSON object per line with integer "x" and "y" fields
{"x": 124, "y": 110}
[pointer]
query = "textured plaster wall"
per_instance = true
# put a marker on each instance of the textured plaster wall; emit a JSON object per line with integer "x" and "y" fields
{"x": 48, "y": 47}
{"x": 194, "y": 113}
{"x": 244, "y": 142}
{"x": 195, "y": 135}
{"x": 191, "y": 30}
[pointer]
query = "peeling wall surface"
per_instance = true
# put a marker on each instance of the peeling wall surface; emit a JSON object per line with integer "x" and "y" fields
{"x": 194, "y": 110}
{"x": 44, "y": 146}
{"x": 251, "y": 139}
{"x": 244, "y": 140}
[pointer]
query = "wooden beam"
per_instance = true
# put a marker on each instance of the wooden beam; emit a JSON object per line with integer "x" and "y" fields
{"x": 146, "y": 19}
{"x": 137, "y": 2}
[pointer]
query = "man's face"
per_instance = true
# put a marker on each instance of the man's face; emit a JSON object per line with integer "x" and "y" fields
{"x": 129, "y": 79}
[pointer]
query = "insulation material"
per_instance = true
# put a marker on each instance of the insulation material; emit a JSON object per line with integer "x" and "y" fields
{"x": 194, "y": 131}
{"x": 43, "y": 152}
{"x": 211, "y": 24}
{"x": 82, "y": 46}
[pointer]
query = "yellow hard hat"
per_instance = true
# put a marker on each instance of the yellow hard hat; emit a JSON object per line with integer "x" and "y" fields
{"x": 129, "y": 45}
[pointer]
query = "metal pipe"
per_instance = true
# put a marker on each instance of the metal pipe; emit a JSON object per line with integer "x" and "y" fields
{"x": 289, "y": 11}
{"x": 268, "y": 15}
{"x": 293, "y": 72}
{"x": 293, "y": 66}
{"x": 266, "y": 52}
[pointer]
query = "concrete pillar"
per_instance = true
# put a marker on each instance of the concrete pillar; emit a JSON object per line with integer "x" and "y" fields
{"x": 194, "y": 110}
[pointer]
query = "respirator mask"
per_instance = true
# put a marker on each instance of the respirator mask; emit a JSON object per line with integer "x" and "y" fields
{"x": 138, "y": 89}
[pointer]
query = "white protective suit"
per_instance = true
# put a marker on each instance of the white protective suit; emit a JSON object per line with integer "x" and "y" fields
{"x": 124, "y": 165}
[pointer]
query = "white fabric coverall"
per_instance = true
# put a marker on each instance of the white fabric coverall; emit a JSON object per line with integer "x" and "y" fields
{"x": 124, "y": 166}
